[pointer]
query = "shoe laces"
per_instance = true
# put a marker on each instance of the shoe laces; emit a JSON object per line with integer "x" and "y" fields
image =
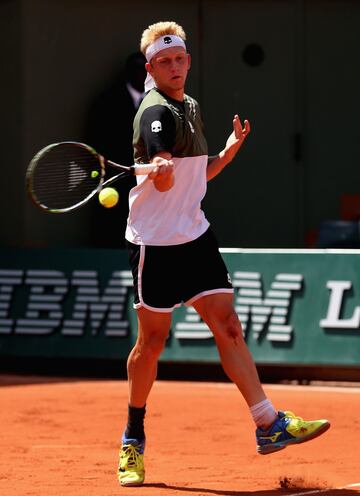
{"x": 130, "y": 456}
{"x": 292, "y": 416}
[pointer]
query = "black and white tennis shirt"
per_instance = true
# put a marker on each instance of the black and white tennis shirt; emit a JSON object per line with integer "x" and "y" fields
{"x": 175, "y": 216}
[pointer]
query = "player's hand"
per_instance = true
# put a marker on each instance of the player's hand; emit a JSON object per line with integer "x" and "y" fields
{"x": 163, "y": 174}
{"x": 236, "y": 138}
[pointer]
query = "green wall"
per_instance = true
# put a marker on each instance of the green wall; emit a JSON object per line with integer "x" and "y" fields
{"x": 298, "y": 308}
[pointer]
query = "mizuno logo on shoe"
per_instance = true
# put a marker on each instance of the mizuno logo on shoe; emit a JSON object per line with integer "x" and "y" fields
{"x": 273, "y": 438}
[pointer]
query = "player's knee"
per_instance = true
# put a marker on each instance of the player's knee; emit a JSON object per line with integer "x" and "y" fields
{"x": 154, "y": 344}
{"x": 233, "y": 329}
{"x": 230, "y": 327}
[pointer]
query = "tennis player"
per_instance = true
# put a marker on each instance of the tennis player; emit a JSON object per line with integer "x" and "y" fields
{"x": 174, "y": 254}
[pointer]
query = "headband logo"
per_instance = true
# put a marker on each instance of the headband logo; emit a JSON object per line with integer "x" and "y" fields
{"x": 167, "y": 40}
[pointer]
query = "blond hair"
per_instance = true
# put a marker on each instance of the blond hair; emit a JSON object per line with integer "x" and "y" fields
{"x": 154, "y": 31}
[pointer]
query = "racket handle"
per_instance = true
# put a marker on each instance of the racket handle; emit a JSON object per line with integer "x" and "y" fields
{"x": 136, "y": 169}
{"x": 140, "y": 169}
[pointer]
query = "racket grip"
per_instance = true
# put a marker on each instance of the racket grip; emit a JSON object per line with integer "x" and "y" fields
{"x": 140, "y": 169}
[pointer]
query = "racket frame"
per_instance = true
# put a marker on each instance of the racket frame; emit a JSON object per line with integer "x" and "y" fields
{"x": 136, "y": 169}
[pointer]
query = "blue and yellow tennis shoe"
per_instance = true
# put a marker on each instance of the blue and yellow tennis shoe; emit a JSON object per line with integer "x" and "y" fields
{"x": 131, "y": 470}
{"x": 288, "y": 429}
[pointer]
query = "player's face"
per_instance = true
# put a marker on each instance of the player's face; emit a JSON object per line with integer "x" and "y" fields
{"x": 169, "y": 68}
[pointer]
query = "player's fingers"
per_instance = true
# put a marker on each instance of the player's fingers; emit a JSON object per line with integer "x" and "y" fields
{"x": 239, "y": 130}
{"x": 166, "y": 168}
{"x": 154, "y": 173}
{"x": 246, "y": 129}
{"x": 237, "y": 126}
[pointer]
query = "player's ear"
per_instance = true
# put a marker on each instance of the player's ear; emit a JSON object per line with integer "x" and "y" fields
{"x": 189, "y": 60}
{"x": 149, "y": 68}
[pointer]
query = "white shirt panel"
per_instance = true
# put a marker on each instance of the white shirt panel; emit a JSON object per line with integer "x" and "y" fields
{"x": 172, "y": 217}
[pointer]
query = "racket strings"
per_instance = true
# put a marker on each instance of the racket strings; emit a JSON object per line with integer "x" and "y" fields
{"x": 65, "y": 176}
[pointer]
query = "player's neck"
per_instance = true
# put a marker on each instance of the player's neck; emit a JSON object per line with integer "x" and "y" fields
{"x": 174, "y": 94}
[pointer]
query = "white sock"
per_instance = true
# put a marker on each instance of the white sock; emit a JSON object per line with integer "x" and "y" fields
{"x": 264, "y": 414}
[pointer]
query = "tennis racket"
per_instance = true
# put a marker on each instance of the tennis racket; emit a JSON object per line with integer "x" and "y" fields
{"x": 65, "y": 176}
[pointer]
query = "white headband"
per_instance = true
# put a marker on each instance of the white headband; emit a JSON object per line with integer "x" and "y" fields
{"x": 161, "y": 43}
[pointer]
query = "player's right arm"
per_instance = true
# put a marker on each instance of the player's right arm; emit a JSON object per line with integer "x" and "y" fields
{"x": 158, "y": 131}
{"x": 163, "y": 174}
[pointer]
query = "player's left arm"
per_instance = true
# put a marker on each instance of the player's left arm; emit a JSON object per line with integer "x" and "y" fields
{"x": 235, "y": 140}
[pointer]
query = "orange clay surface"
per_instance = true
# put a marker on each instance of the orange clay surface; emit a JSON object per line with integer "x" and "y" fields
{"x": 61, "y": 437}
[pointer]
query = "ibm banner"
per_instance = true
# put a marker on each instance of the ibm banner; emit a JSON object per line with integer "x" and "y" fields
{"x": 296, "y": 306}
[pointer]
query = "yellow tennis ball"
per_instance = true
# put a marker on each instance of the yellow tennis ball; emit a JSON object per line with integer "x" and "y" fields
{"x": 108, "y": 197}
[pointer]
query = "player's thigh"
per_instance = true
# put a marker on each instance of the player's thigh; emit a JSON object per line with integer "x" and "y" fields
{"x": 153, "y": 325}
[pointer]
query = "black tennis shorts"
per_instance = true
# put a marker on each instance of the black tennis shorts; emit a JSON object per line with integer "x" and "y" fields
{"x": 165, "y": 277}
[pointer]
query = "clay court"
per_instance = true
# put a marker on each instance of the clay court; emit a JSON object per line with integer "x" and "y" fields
{"x": 61, "y": 437}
